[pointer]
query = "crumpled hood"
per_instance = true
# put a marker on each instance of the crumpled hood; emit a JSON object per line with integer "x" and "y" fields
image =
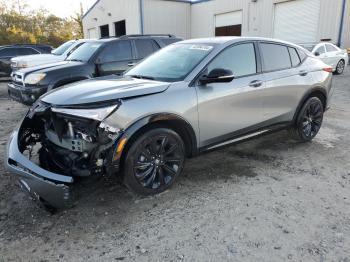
{"x": 103, "y": 89}
{"x": 33, "y": 60}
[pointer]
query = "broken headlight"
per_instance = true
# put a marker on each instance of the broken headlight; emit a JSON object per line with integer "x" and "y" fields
{"x": 97, "y": 114}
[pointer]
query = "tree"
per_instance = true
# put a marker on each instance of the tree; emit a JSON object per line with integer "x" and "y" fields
{"x": 19, "y": 24}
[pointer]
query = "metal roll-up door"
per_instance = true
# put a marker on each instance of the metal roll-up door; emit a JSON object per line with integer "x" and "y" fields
{"x": 297, "y": 21}
{"x": 228, "y": 24}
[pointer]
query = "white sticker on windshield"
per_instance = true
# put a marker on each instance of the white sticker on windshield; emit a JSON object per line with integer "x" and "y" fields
{"x": 202, "y": 47}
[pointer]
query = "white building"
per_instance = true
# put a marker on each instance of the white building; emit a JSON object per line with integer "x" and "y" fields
{"x": 297, "y": 21}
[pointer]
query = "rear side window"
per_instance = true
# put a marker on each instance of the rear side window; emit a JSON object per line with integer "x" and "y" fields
{"x": 275, "y": 57}
{"x": 331, "y": 48}
{"x": 294, "y": 57}
{"x": 8, "y": 52}
{"x": 320, "y": 50}
{"x": 27, "y": 51}
{"x": 169, "y": 41}
{"x": 240, "y": 59}
{"x": 145, "y": 47}
{"x": 116, "y": 51}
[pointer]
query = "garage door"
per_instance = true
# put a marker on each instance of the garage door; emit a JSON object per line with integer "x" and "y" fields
{"x": 297, "y": 21}
{"x": 228, "y": 24}
{"x": 92, "y": 33}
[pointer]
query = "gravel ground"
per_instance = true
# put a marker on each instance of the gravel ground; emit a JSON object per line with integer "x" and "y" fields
{"x": 269, "y": 199}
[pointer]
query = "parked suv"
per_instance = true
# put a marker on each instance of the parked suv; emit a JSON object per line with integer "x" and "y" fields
{"x": 188, "y": 98}
{"x": 92, "y": 59}
{"x": 10, "y": 51}
{"x": 57, "y": 55}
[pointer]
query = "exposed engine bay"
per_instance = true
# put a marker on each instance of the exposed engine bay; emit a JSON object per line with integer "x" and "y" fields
{"x": 68, "y": 144}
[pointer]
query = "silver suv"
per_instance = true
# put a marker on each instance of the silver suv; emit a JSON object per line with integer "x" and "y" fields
{"x": 190, "y": 97}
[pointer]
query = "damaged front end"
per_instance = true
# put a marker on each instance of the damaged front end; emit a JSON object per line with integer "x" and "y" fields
{"x": 55, "y": 145}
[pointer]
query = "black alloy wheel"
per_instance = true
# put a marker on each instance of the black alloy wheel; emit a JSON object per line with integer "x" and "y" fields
{"x": 340, "y": 67}
{"x": 154, "y": 161}
{"x": 310, "y": 119}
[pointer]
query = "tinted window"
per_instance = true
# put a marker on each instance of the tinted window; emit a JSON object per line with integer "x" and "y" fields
{"x": 240, "y": 59}
{"x": 27, "y": 51}
{"x": 8, "y": 52}
{"x": 116, "y": 51}
{"x": 169, "y": 41}
{"x": 275, "y": 57}
{"x": 331, "y": 48}
{"x": 294, "y": 56}
{"x": 145, "y": 47}
{"x": 84, "y": 52}
{"x": 320, "y": 50}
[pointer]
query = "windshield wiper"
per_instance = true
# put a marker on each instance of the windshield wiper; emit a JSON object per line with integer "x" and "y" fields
{"x": 141, "y": 77}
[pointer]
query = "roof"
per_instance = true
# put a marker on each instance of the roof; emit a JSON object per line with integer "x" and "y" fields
{"x": 232, "y": 39}
{"x": 182, "y": 1}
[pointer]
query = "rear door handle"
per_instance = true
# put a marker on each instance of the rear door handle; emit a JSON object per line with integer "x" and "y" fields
{"x": 256, "y": 83}
{"x": 131, "y": 64}
{"x": 303, "y": 73}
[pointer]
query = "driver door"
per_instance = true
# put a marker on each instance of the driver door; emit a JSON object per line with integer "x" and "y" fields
{"x": 226, "y": 110}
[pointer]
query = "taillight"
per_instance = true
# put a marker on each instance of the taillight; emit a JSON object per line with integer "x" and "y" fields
{"x": 328, "y": 69}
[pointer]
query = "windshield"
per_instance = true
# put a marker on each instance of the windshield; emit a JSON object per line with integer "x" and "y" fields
{"x": 309, "y": 47}
{"x": 84, "y": 52}
{"x": 171, "y": 64}
{"x": 62, "y": 48}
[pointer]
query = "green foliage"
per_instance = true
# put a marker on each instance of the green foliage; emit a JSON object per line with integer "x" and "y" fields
{"x": 19, "y": 24}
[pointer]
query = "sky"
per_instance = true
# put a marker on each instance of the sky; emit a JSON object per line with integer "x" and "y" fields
{"x": 61, "y": 8}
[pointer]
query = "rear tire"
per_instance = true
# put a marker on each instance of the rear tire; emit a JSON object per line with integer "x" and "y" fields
{"x": 154, "y": 161}
{"x": 309, "y": 120}
{"x": 340, "y": 67}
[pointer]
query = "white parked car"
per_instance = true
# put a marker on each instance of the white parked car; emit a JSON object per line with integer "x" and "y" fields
{"x": 329, "y": 54}
{"x": 57, "y": 55}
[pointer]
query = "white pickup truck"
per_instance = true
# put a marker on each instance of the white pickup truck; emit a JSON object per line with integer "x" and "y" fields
{"x": 57, "y": 55}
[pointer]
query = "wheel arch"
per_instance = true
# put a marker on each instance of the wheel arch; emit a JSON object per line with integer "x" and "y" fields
{"x": 319, "y": 92}
{"x": 167, "y": 120}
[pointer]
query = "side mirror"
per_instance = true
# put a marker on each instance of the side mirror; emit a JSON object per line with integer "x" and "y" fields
{"x": 217, "y": 75}
{"x": 317, "y": 54}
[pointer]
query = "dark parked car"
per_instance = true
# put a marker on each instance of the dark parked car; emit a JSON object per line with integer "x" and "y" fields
{"x": 92, "y": 59}
{"x": 10, "y": 51}
{"x": 190, "y": 97}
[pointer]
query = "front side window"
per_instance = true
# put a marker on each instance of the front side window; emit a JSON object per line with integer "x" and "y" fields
{"x": 145, "y": 47}
{"x": 172, "y": 63}
{"x": 275, "y": 57}
{"x": 116, "y": 51}
{"x": 240, "y": 59}
{"x": 84, "y": 52}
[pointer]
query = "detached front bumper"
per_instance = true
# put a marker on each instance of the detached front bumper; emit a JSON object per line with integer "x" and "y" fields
{"x": 25, "y": 95}
{"x": 43, "y": 185}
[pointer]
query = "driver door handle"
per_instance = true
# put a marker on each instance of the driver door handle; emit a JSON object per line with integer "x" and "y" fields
{"x": 256, "y": 83}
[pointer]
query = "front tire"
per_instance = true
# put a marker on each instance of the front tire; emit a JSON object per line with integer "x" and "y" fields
{"x": 154, "y": 161}
{"x": 340, "y": 67}
{"x": 309, "y": 120}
